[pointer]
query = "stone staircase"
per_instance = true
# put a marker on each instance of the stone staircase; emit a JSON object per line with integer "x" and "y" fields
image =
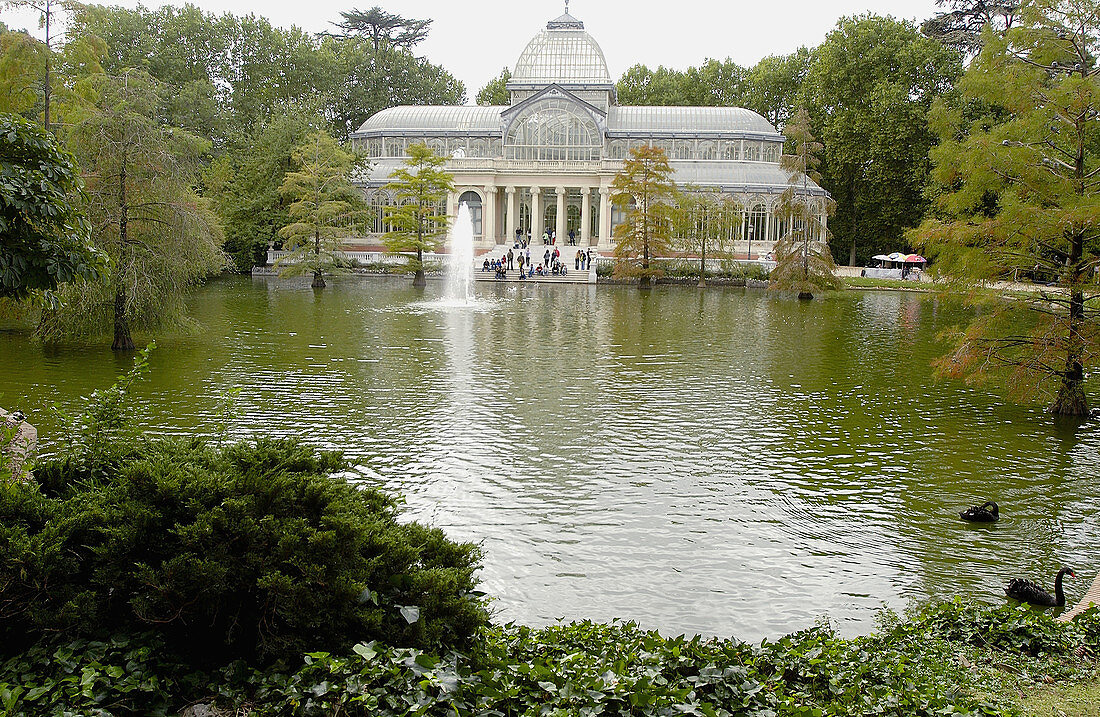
{"x": 538, "y": 253}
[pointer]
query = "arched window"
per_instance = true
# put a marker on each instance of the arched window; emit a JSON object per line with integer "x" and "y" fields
{"x": 479, "y": 148}
{"x": 706, "y": 150}
{"x": 618, "y": 149}
{"x": 683, "y": 149}
{"x": 732, "y": 150}
{"x": 771, "y": 152}
{"x": 553, "y": 130}
{"x": 758, "y": 218}
{"x": 472, "y": 200}
{"x": 752, "y": 151}
{"x": 438, "y": 147}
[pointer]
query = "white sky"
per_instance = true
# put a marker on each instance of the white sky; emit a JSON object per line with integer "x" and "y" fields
{"x": 475, "y": 39}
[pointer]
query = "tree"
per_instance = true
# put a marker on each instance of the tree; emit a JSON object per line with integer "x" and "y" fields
{"x": 774, "y": 85}
{"x": 960, "y": 27}
{"x": 707, "y": 225}
{"x": 46, "y": 9}
{"x": 496, "y": 92}
{"x": 868, "y": 91}
{"x": 420, "y": 187}
{"x": 644, "y": 189}
{"x": 161, "y": 237}
{"x": 244, "y": 184}
{"x": 1018, "y": 192}
{"x": 44, "y": 236}
{"x": 803, "y": 262}
{"x": 384, "y": 29}
{"x": 324, "y": 204}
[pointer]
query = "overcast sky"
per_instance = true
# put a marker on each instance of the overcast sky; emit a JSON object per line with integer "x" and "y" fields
{"x": 475, "y": 39}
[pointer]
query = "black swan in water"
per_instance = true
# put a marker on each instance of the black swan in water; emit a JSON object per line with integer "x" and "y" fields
{"x": 1029, "y": 592}
{"x": 985, "y": 513}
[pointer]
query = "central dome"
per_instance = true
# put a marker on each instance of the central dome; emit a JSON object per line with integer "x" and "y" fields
{"x": 561, "y": 54}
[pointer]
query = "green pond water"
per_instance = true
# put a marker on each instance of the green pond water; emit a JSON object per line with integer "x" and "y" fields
{"x": 719, "y": 462}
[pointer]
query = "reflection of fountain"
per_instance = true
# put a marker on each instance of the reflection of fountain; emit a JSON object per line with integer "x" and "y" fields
{"x": 460, "y": 262}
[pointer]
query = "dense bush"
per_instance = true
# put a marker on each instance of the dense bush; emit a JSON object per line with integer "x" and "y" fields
{"x": 251, "y": 551}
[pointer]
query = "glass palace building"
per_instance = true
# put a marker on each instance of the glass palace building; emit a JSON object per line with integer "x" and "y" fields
{"x": 546, "y": 161}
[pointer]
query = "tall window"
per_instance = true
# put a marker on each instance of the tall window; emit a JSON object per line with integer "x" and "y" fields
{"x": 472, "y": 200}
{"x": 553, "y": 131}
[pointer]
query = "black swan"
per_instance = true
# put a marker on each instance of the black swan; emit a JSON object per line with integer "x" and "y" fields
{"x": 985, "y": 513}
{"x": 1029, "y": 592}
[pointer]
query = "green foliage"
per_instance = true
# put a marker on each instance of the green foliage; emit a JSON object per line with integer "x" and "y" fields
{"x": 245, "y": 181}
{"x": 496, "y": 92}
{"x": 44, "y": 235}
{"x": 160, "y": 236}
{"x": 324, "y": 205}
{"x": 868, "y": 91}
{"x": 645, "y": 190}
{"x": 253, "y": 551}
{"x": 420, "y": 187}
{"x": 1015, "y": 193}
{"x": 803, "y": 262}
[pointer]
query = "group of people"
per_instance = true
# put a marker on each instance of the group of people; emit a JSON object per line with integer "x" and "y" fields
{"x": 551, "y": 263}
{"x": 549, "y": 237}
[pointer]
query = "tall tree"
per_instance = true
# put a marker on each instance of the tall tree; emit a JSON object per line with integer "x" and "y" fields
{"x": 244, "y": 183}
{"x": 774, "y": 85}
{"x": 645, "y": 191}
{"x": 1019, "y": 191}
{"x": 868, "y": 91}
{"x": 160, "y": 236}
{"x": 496, "y": 92}
{"x": 325, "y": 206}
{"x": 384, "y": 29}
{"x": 44, "y": 235}
{"x": 803, "y": 262}
{"x": 708, "y": 225}
{"x": 420, "y": 188}
{"x": 48, "y": 23}
{"x": 960, "y": 25}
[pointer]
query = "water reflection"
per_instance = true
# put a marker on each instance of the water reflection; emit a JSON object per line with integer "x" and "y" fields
{"x": 711, "y": 461}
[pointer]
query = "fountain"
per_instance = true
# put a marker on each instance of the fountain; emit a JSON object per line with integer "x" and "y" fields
{"x": 459, "y": 286}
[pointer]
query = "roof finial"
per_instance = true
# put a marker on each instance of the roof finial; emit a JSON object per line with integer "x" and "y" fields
{"x": 566, "y": 7}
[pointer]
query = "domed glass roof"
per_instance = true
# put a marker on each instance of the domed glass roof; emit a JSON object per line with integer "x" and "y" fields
{"x": 563, "y": 53}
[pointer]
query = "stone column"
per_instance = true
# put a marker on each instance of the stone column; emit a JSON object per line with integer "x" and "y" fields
{"x": 605, "y": 217}
{"x": 510, "y": 221}
{"x": 489, "y": 217}
{"x": 560, "y": 229}
{"x": 586, "y": 214}
{"x": 536, "y": 215}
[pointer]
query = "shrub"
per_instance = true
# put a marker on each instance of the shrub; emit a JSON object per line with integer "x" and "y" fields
{"x": 251, "y": 551}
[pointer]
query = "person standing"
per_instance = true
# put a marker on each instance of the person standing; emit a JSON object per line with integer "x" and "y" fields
{"x": 577, "y": 260}
{"x": 546, "y": 257}
{"x": 589, "y": 257}
{"x": 511, "y": 260}
{"x": 527, "y": 251}
{"x": 572, "y": 237}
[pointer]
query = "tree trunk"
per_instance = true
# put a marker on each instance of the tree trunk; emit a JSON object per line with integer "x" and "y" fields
{"x": 419, "y": 279}
{"x": 318, "y": 280}
{"x": 645, "y": 283}
{"x": 46, "y": 84}
{"x": 123, "y": 340}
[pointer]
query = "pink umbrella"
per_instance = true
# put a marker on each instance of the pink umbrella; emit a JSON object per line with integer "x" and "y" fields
{"x": 915, "y": 259}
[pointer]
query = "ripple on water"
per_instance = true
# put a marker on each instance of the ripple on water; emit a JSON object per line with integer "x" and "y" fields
{"x": 717, "y": 463}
